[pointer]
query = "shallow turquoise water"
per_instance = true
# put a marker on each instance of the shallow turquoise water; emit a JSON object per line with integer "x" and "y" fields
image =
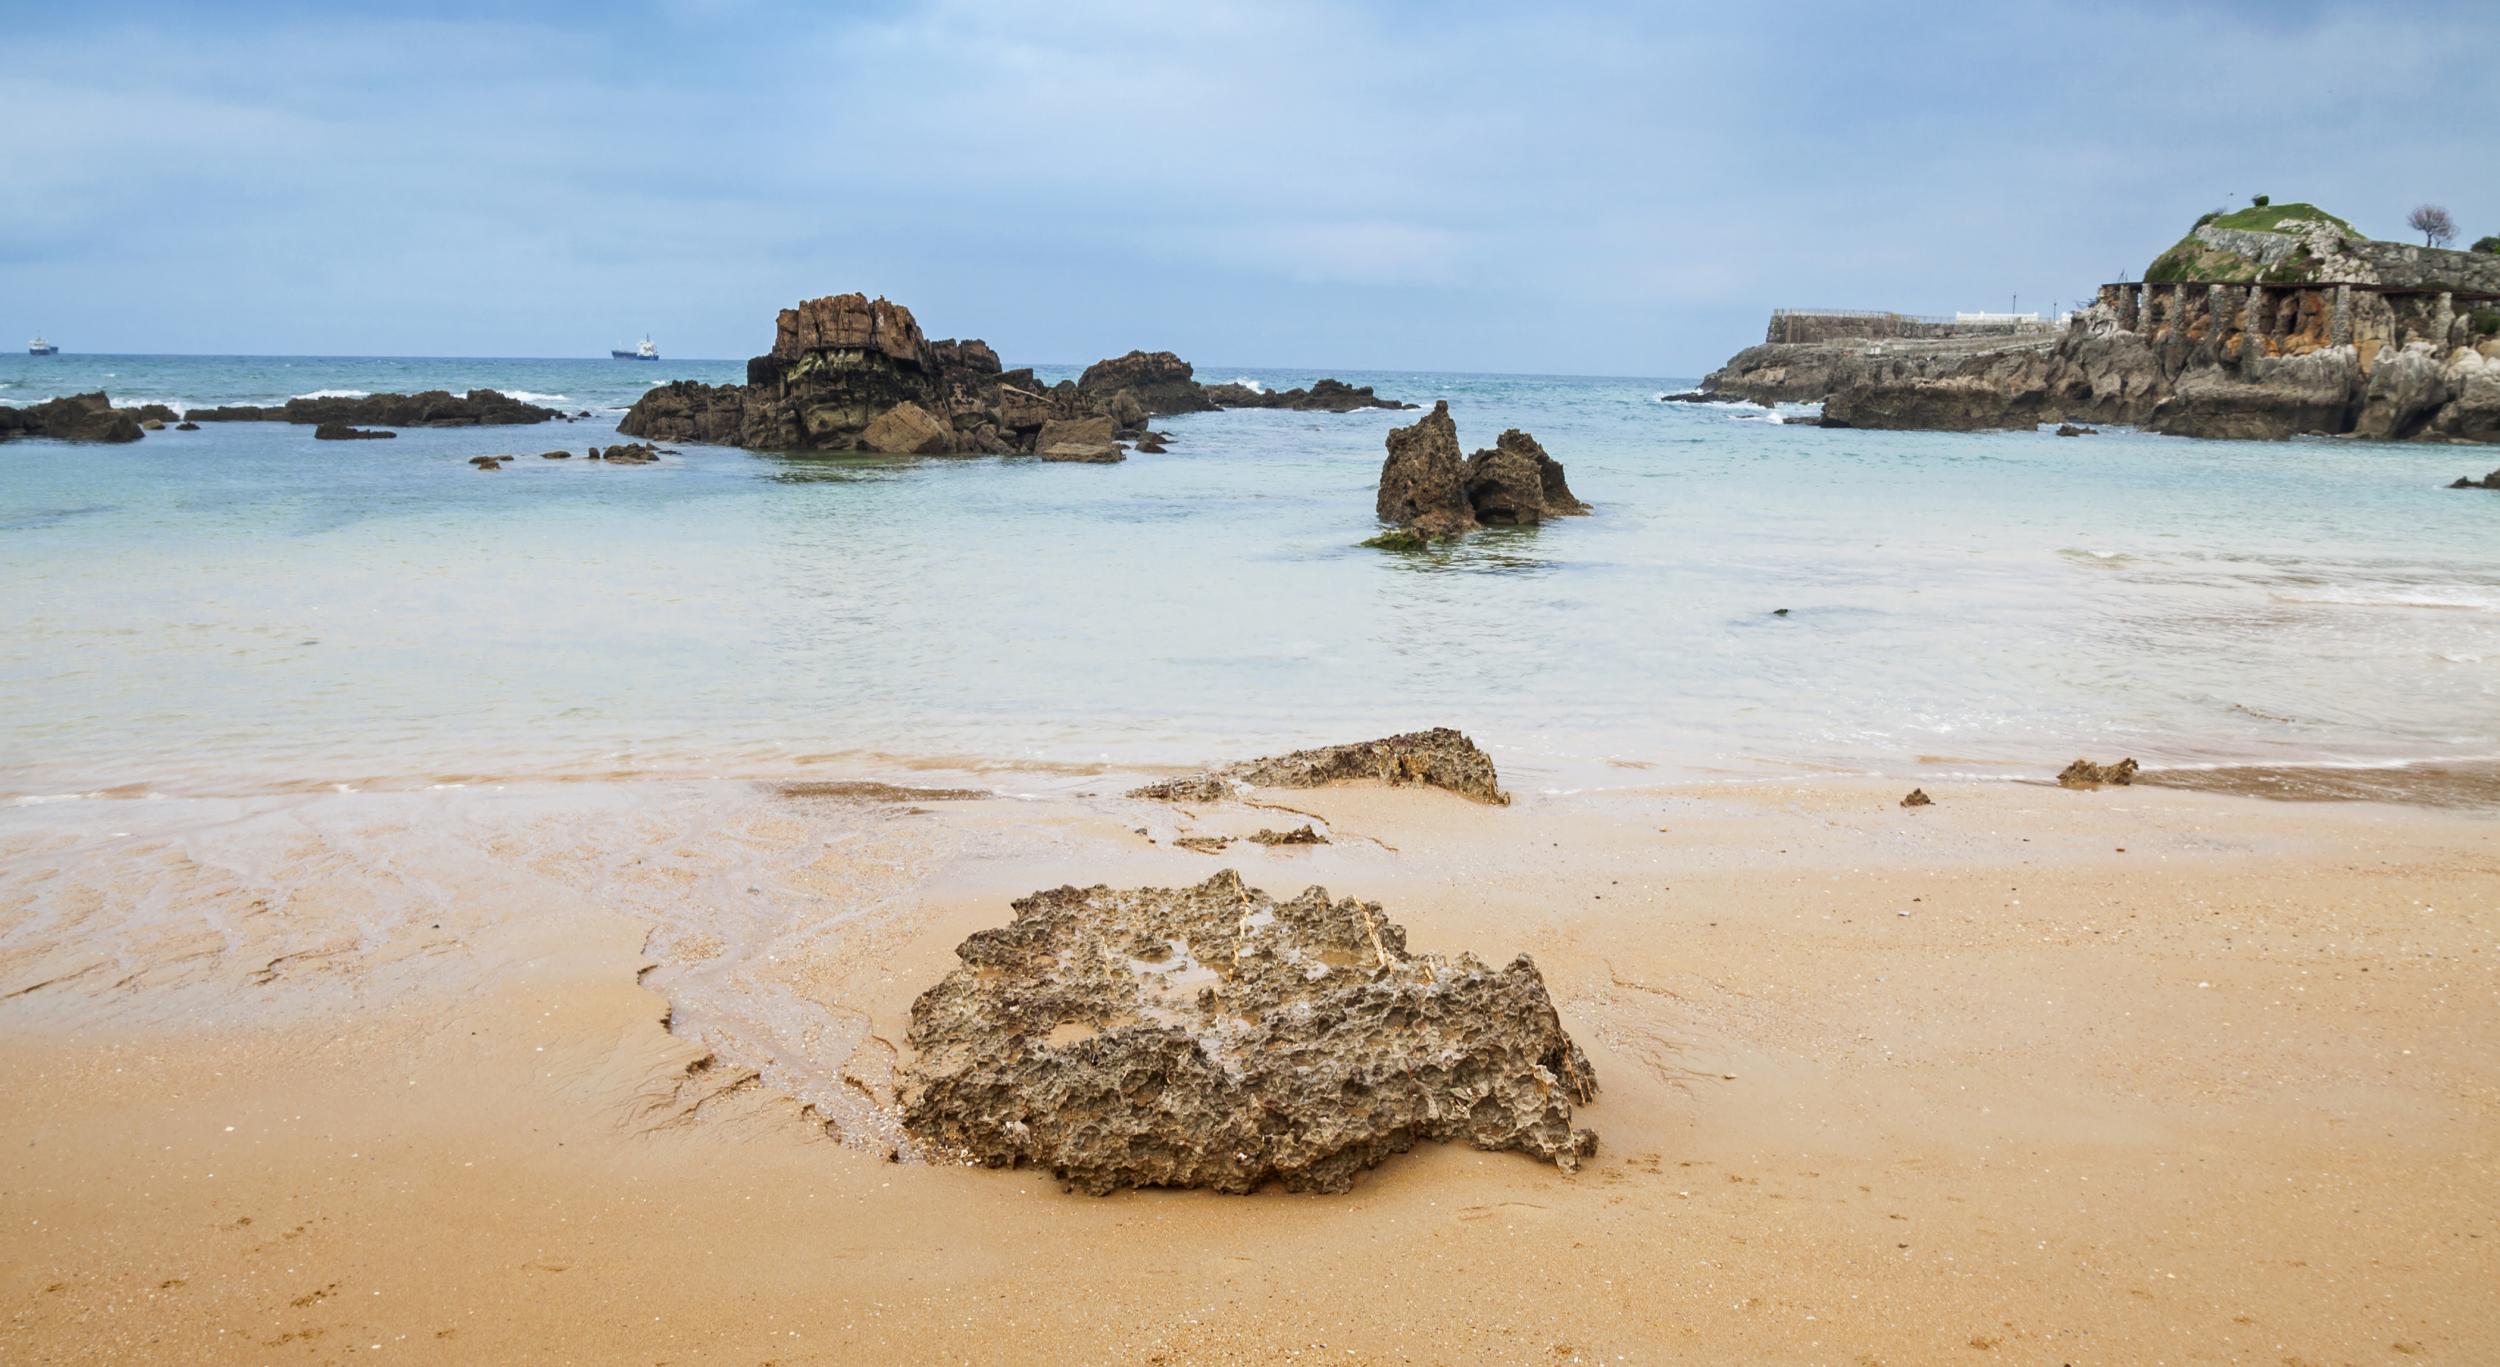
{"x": 243, "y": 606}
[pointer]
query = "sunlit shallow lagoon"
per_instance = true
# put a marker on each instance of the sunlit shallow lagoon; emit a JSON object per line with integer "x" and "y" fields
{"x": 244, "y": 606}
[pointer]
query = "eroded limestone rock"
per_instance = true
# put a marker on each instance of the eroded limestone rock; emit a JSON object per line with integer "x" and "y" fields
{"x": 2083, "y": 773}
{"x": 1423, "y": 484}
{"x": 1438, "y": 758}
{"x": 1214, "y": 1037}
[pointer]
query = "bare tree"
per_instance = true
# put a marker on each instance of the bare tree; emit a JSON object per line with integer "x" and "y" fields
{"x": 2434, "y": 224}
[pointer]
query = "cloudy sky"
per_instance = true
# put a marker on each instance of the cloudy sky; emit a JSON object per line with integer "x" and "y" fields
{"x": 1560, "y": 188}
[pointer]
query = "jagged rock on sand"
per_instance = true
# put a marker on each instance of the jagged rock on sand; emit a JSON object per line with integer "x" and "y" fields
{"x": 1917, "y": 797}
{"x": 1438, "y": 758}
{"x": 1215, "y": 1037}
{"x": 1202, "y": 844}
{"x": 1299, "y": 835}
{"x": 2083, "y": 773}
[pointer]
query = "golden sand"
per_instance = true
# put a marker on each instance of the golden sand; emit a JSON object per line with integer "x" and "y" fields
{"x": 598, "y": 1073}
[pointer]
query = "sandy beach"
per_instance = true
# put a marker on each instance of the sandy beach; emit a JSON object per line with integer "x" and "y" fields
{"x": 602, "y": 1072}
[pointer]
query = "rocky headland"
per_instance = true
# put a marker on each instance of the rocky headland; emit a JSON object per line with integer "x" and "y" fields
{"x": 2263, "y": 324}
{"x": 850, "y": 373}
{"x": 1216, "y": 1037}
{"x": 431, "y": 408}
{"x": 1428, "y": 492}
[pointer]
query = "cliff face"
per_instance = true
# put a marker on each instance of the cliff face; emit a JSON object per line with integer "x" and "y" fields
{"x": 2313, "y": 330}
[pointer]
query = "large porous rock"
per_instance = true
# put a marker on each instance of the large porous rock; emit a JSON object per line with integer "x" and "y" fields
{"x": 2084, "y": 773}
{"x": 907, "y": 429}
{"x": 1423, "y": 483}
{"x": 1439, "y": 758}
{"x": 1083, "y": 440}
{"x": 1517, "y": 485}
{"x": 1215, "y": 1037}
{"x": 75, "y": 417}
{"x": 1161, "y": 382}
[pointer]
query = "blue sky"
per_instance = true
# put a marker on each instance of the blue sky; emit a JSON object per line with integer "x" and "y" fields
{"x": 1617, "y": 189}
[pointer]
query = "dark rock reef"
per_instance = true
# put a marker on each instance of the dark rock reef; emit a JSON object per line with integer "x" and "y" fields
{"x": 1215, "y": 1037}
{"x": 850, "y": 373}
{"x": 76, "y": 417}
{"x": 1427, "y": 490}
{"x": 339, "y": 431}
{"x": 432, "y": 408}
{"x": 1324, "y": 396}
{"x": 2490, "y": 481}
{"x": 1438, "y": 758}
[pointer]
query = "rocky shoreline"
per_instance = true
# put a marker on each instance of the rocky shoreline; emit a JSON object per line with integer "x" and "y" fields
{"x": 2311, "y": 330}
{"x": 850, "y": 373}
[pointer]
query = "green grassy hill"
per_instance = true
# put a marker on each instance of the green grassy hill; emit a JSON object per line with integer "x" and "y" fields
{"x": 2190, "y": 259}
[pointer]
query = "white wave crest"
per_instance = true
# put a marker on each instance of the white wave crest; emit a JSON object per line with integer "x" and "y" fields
{"x": 178, "y": 405}
{"x": 527, "y": 396}
{"x": 2468, "y": 600}
{"x": 1250, "y": 384}
{"x": 337, "y": 394}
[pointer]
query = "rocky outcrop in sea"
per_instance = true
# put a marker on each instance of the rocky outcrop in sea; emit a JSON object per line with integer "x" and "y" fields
{"x": 850, "y": 373}
{"x": 1324, "y": 396}
{"x": 431, "y": 408}
{"x": 1428, "y": 491}
{"x": 1216, "y": 1037}
{"x": 76, "y": 417}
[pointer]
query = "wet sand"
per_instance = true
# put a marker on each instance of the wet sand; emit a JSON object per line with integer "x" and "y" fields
{"x": 596, "y": 1072}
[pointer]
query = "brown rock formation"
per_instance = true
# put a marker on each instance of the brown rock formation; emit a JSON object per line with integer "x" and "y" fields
{"x": 1917, "y": 797}
{"x": 77, "y": 417}
{"x": 1438, "y": 758}
{"x": 2083, "y": 773}
{"x": 1427, "y": 490}
{"x": 1161, "y": 383}
{"x": 1423, "y": 484}
{"x": 1083, "y": 440}
{"x": 1214, "y": 1037}
{"x": 907, "y": 429}
{"x": 339, "y": 431}
{"x": 1517, "y": 485}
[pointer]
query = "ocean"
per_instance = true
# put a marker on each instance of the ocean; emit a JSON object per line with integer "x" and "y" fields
{"x": 244, "y": 608}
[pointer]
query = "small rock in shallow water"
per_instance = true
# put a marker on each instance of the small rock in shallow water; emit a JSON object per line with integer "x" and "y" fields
{"x": 1438, "y": 758}
{"x": 2083, "y": 773}
{"x": 2068, "y": 429}
{"x": 1214, "y": 1037}
{"x": 555, "y": 455}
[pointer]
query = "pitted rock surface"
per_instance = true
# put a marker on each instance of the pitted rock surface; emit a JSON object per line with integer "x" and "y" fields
{"x": 1215, "y": 1037}
{"x": 1438, "y": 758}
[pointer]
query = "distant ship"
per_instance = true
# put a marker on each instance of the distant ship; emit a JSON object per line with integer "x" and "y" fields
{"x": 643, "y": 352}
{"x": 40, "y": 347}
